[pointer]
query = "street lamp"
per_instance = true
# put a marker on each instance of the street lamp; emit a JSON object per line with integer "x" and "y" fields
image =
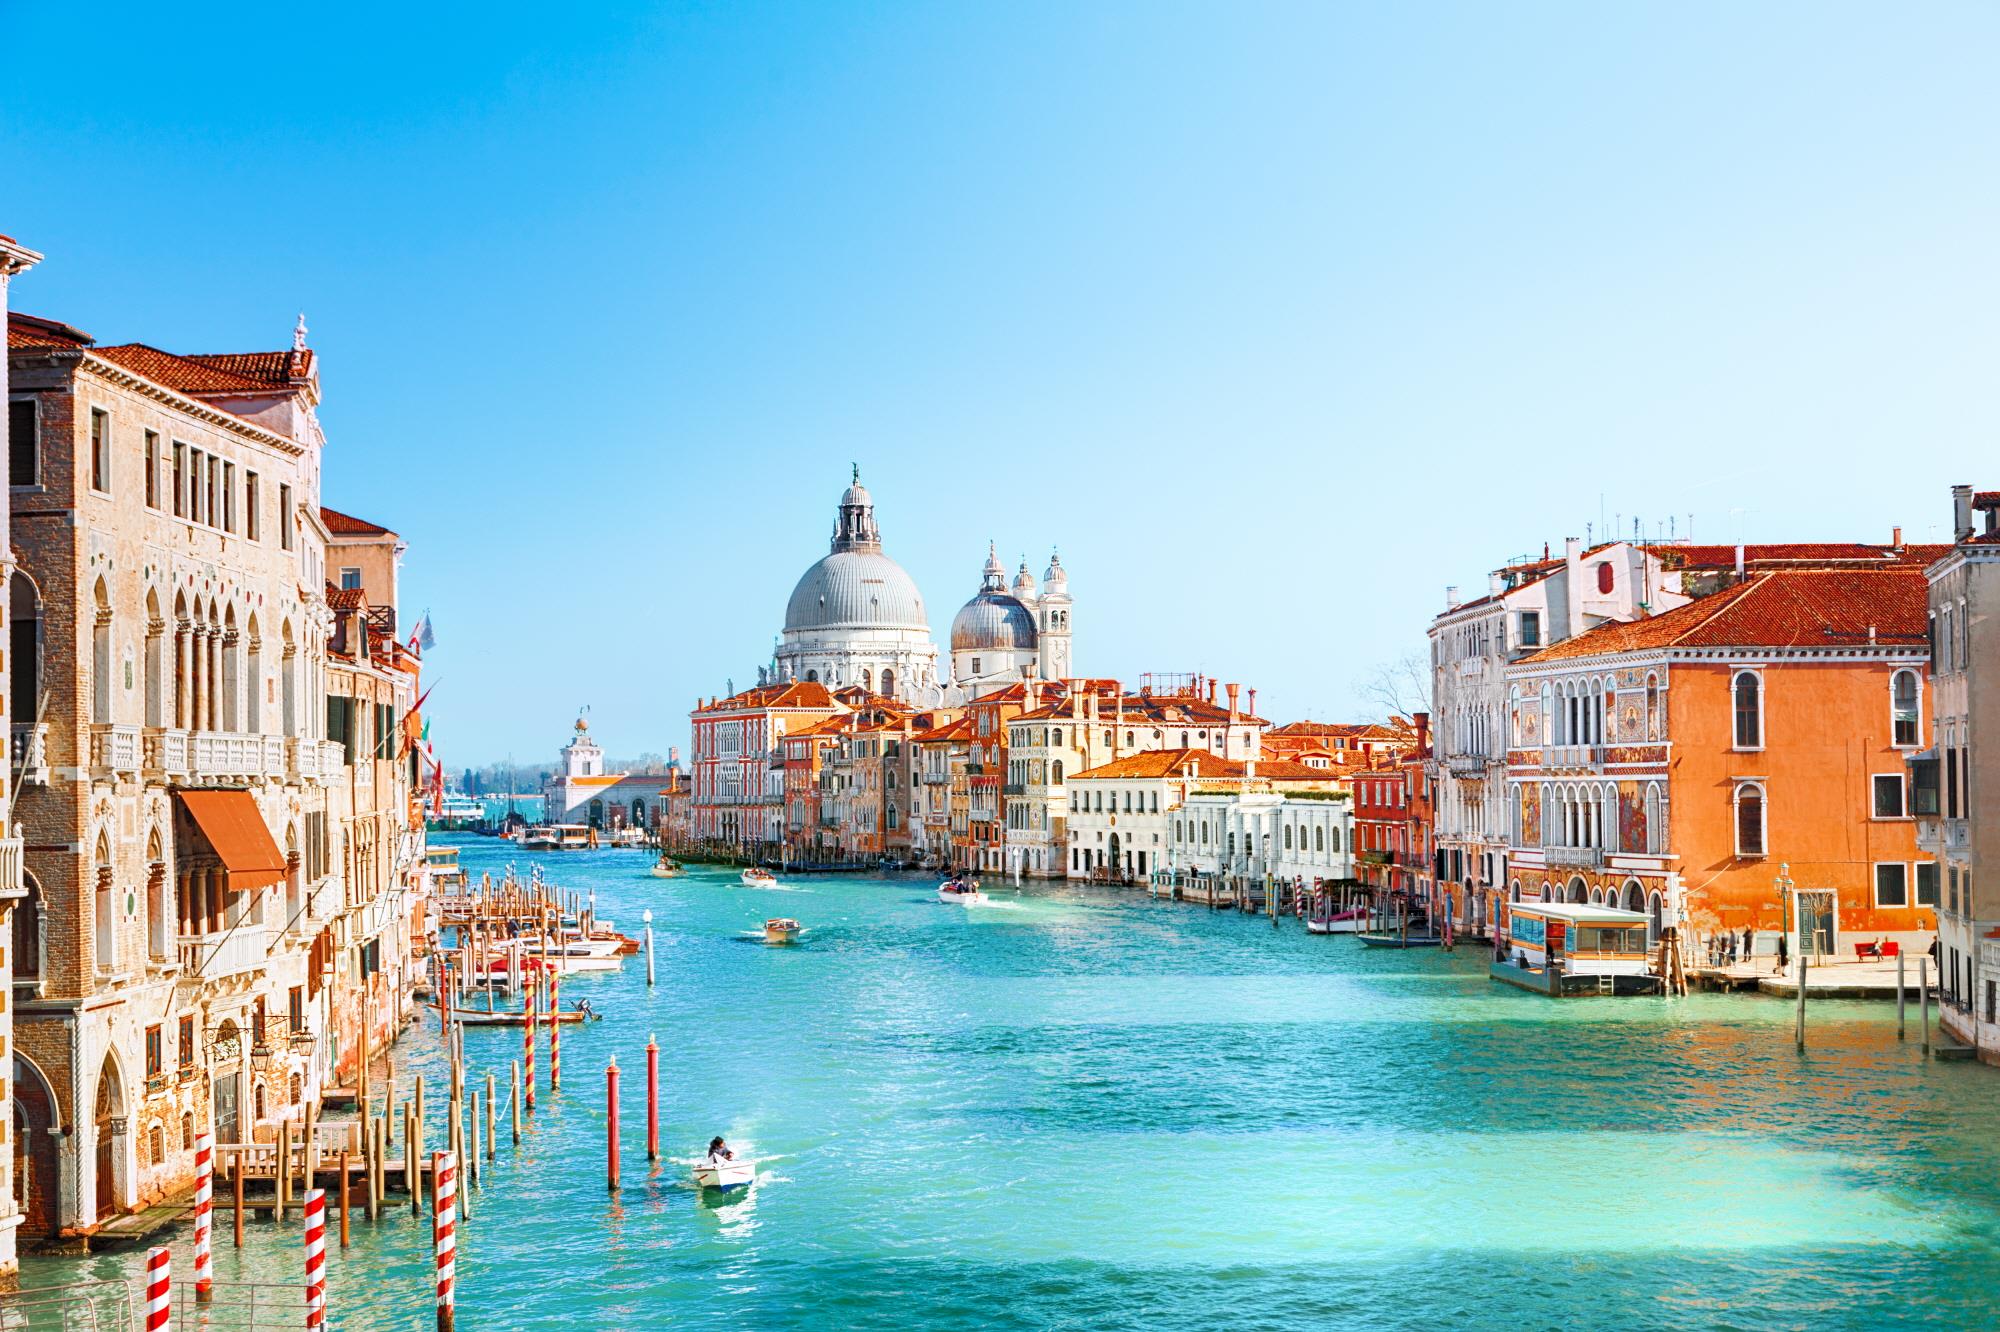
{"x": 1787, "y": 904}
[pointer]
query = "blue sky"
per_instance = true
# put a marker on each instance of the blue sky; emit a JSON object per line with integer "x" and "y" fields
{"x": 1277, "y": 319}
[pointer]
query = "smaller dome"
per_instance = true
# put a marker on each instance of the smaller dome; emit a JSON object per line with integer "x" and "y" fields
{"x": 1054, "y": 575}
{"x": 1024, "y": 583}
{"x": 993, "y": 622}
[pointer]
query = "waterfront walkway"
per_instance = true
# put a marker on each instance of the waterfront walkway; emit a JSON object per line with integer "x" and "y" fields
{"x": 1846, "y": 978}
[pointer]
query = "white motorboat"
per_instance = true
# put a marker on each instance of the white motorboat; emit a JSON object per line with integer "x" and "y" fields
{"x": 759, "y": 877}
{"x": 782, "y": 930}
{"x": 667, "y": 868}
{"x": 962, "y": 891}
{"x": 725, "y": 1176}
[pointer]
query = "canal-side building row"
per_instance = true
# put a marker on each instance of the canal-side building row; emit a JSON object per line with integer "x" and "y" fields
{"x": 1683, "y": 764}
{"x": 1955, "y": 780}
{"x": 212, "y": 879}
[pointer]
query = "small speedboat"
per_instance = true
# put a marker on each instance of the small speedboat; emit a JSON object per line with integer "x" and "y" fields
{"x": 667, "y": 868}
{"x": 781, "y": 930}
{"x": 962, "y": 891}
{"x": 759, "y": 877}
{"x": 725, "y": 1176}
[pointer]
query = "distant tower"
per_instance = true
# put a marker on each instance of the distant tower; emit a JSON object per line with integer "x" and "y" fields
{"x": 1052, "y": 613}
{"x": 581, "y": 756}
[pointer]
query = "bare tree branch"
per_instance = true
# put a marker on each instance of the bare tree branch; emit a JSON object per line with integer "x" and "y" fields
{"x": 1401, "y": 688}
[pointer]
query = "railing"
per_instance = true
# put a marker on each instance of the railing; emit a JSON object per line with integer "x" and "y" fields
{"x": 167, "y": 751}
{"x": 114, "y": 748}
{"x": 1589, "y": 757}
{"x": 227, "y": 754}
{"x": 10, "y": 866}
{"x": 98, "y": 1306}
{"x": 375, "y": 917}
{"x": 223, "y": 953}
{"x": 332, "y": 756}
{"x": 1466, "y": 765}
{"x": 1013, "y": 789}
{"x": 1577, "y": 857}
{"x": 274, "y": 756}
{"x": 31, "y": 752}
{"x": 303, "y": 758}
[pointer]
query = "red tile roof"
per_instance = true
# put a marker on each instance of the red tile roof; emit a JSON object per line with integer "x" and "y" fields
{"x": 275, "y": 368}
{"x": 1788, "y": 608}
{"x": 26, "y": 330}
{"x": 1796, "y": 554}
{"x": 1166, "y": 763}
{"x": 802, "y": 694}
{"x": 345, "y": 598}
{"x": 341, "y": 524}
{"x": 183, "y": 374}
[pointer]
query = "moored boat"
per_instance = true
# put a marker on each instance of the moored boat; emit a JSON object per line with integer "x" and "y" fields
{"x": 482, "y": 1017}
{"x": 1345, "y": 922}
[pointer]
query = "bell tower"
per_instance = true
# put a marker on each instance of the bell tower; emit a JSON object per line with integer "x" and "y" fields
{"x": 1052, "y": 613}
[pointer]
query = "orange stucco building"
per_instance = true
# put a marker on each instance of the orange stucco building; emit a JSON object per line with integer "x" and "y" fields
{"x": 1678, "y": 764}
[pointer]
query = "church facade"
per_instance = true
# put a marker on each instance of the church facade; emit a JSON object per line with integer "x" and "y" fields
{"x": 583, "y": 792}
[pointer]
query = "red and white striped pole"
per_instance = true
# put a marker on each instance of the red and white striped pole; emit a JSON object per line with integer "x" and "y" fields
{"x": 652, "y": 1099}
{"x": 531, "y": 990}
{"x": 159, "y": 1290}
{"x": 444, "y": 1220}
{"x": 315, "y": 1257}
{"x": 555, "y": 1030}
{"x": 204, "y": 1216}
{"x": 611, "y": 1124}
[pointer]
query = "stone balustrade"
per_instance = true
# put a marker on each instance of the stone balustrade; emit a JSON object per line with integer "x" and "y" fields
{"x": 211, "y": 957}
{"x": 115, "y": 749}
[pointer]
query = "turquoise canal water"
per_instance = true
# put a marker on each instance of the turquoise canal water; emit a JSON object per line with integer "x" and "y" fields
{"x": 1077, "y": 1110}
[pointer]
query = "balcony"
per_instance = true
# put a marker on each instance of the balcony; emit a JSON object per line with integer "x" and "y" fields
{"x": 1466, "y": 765}
{"x": 31, "y": 753}
{"x": 332, "y": 757}
{"x": 225, "y": 756}
{"x": 114, "y": 750}
{"x": 302, "y": 759}
{"x": 1573, "y": 758}
{"x": 166, "y": 752}
{"x": 10, "y": 867}
{"x": 213, "y": 957}
{"x": 1573, "y": 857}
{"x": 1013, "y": 788}
{"x": 1377, "y": 857}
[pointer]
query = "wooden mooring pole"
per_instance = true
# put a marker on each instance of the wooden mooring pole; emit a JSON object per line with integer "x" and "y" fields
{"x": 1902, "y": 998}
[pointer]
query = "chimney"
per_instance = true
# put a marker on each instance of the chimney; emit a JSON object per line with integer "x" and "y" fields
{"x": 1495, "y": 583}
{"x": 1211, "y": 690}
{"x": 1422, "y": 721}
{"x": 1739, "y": 561}
{"x": 1896, "y": 537}
{"x": 1961, "y": 513}
{"x": 1232, "y": 701}
{"x": 1253, "y": 703}
{"x": 1451, "y": 596}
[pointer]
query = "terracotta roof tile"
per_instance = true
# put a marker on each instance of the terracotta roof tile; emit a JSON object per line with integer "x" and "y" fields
{"x": 183, "y": 374}
{"x": 1790, "y": 608}
{"x": 1166, "y": 763}
{"x": 26, "y": 330}
{"x": 341, "y": 524}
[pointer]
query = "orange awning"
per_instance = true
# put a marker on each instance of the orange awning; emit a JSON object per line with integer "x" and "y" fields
{"x": 232, "y": 825}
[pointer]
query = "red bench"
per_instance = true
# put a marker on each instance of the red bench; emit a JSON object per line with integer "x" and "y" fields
{"x": 1864, "y": 951}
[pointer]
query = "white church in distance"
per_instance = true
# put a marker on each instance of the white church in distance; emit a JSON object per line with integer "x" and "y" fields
{"x": 856, "y": 618}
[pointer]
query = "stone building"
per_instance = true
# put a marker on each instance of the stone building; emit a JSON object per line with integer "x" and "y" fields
{"x": 583, "y": 792}
{"x": 1006, "y": 635}
{"x": 1955, "y": 782}
{"x": 14, "y": 259}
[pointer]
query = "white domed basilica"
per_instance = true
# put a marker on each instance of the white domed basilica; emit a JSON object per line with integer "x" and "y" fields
{"x": 856, "y": 618}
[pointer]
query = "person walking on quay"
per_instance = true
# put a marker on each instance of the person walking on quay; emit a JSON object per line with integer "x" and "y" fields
{"x": 1749, "y": 942}
{"x": 1784, "y": 950}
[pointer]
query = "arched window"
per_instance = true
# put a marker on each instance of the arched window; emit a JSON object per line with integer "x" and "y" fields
{"x": 1653, "y": 728}
{"x": 1750, "y": 819}
{"x": 888, "y": 683}
{"x": 1319, "y": 838}
{"x": 1541, "y": 736}
{"x": 1057, "y": 770}
{"x": 1288, "y": 837}
{"x": 1749, "y": 693}
{"x": 100, "y": 656}
{"x": 1333, "y": 839}
{"x": 867, "y": 679}
{"x": 28, "y": 931}
{"x": 1656, "y": 821}
{"x": 24, "y": 641}
{"x": 812, "y": 677}
{"x": 106, "y": 922}
{"x": 1903, "y": 695}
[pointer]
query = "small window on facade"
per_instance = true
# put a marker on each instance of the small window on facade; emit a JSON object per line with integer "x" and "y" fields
{"x": 156, "y": 1059}
{"x": 350, "y": 579}
{"x": 1892, "y": 888}
{"x": 100, "y": 449}
{"x": 1531, "y": 628}
{"x": 1927, "y": 883}
{"x": 1749, "y": 820}
{"x": 186, "y": 1051}
{"x": 196, "y": 510}
{"x": 1749, "y": 712}
{"x": 1903, "y": 704}
{"x": 24, "y": 443}
{"x": 1888, "y": 795}
{"x": 284, "y": 516}
{"x": 229, "y": 497}
{"x": 251, "y": 527}
{"x": 152, "y": 469}
{"x": 179, "y": 479}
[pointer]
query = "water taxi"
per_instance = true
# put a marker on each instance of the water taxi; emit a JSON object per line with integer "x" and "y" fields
{"x": 666, "y": 867}
{"x": 1569, "y": 948}
{"x": 781, "y": 930}
{"x": 759, "y": 877}
{"x": 540, "y": 838}
{"x": 965, "y": 892}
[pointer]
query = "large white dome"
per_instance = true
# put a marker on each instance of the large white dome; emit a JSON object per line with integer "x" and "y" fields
{"x": 862, "y": 589}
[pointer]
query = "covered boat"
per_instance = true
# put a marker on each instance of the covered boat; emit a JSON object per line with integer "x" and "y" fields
{"x": 1569, "y": 948}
